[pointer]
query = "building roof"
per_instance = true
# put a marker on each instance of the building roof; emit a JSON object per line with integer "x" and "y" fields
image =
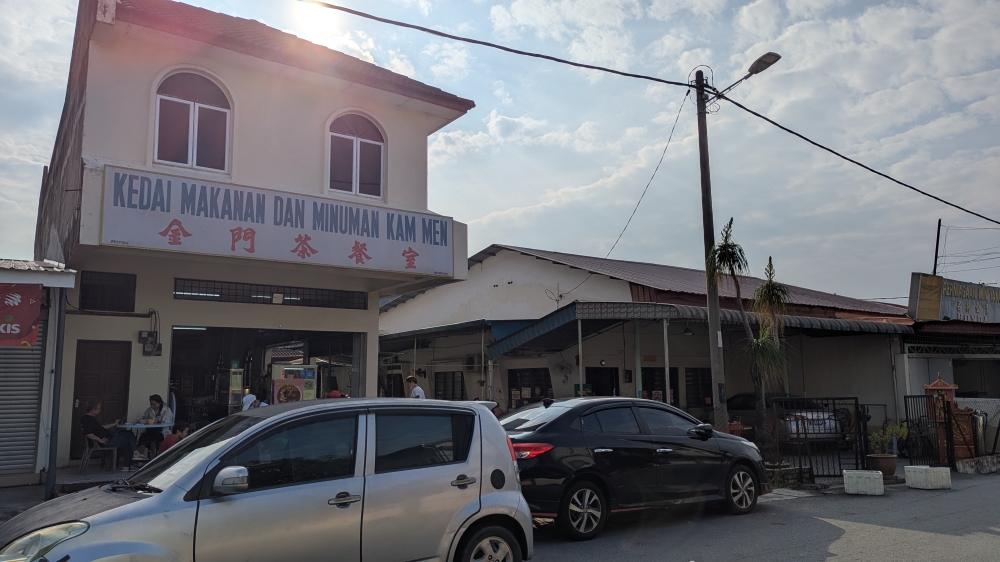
{"x": 558, "y": 330}
{"x": 691, "y": 281}
{"x": 26, "y": 265}
{"x": 46, "y": 273}
{"x": 258, "y": 40}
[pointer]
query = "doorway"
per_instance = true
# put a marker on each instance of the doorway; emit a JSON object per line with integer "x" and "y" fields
{"x": 102, "y": 373}
{"x": 654, "y": 385}
{"x": 603, "y": 381}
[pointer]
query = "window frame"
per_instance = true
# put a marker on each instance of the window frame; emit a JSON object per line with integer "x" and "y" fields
{"x": 649, "y": 430}
{"x": 356, "y": 163}
{"x": 226, "y": 458}
{"x": 192, "y": 135}
{"x": 131, "y": 280}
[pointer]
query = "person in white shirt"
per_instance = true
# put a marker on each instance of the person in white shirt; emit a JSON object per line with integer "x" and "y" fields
{"x": 415, "y": 390}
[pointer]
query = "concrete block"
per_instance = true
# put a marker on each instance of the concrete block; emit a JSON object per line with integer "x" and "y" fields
{"x": 863, "y": 482}
{"x": 979, "y": 465}
{"x": 928, "y": 477}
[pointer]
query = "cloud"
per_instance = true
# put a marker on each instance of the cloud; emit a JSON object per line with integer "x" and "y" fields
{"x": 798, "y": 9}
{"x": 503, "y": 97}
{"x": 358, "y": 44}
{"x": 423, "y": 5}
{"x": 399, "y": 63}
{"x": 665, "y": 10}
{"x": 452, "y": 60}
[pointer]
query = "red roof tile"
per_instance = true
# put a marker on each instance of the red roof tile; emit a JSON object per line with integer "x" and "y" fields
{"x": 258, "y": 40}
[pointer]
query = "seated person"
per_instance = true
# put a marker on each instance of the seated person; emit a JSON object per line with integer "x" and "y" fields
{"x": 159, "y": 413}
{"x": 95, "y": 431}
{"x": 181, "y": 430}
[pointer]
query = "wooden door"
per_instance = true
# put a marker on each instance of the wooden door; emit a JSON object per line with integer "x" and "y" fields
{"x": 102, "y": 373}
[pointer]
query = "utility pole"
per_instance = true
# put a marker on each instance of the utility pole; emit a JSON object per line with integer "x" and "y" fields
{"x": 720, "y": 419}
{"x": 937, "y": 244}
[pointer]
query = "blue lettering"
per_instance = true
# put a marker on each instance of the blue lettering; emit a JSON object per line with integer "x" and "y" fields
{"x": 188, "y": 196}
{"x": 227, "y": 206}
{"x": 120, "y": 180}
{"x": 444, "y": 233}
{"x": 411, "y": 229}
{"x": 260, "y": 208}
{"x": 132, "y": 191}
{"x": 353, "y": 220}
{"x": 157, "y": 196}
{"x": 388, "y": 226}
{"x": 145, "y": 193}
{"x": 365, "y": 227}
{"x": 215, "y": 201}
{"x": 289, "y": 213}
{"x": 300, "y": 214}
{"x": 321, "y": 220}
{"x": 374, "y": 224}
{"x": 427, "y": 230}
{"x": 202, "y": 202}
{"x": 279, "y": 206}
{"x": 238, "y": 205}
{"x": 168, "y": 196}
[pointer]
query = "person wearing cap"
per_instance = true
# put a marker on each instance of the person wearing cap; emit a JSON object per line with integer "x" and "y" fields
{"x": 250, "y": 401}
{"x": 415, "y": 390}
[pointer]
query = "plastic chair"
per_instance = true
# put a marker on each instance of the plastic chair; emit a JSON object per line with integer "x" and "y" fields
{"x": 90, "y": 447}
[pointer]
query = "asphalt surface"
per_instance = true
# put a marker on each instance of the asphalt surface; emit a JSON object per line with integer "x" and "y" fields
{"x": 906, "y": 524}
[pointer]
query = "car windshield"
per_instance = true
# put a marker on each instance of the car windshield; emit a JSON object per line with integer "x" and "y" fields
{"x": 530, "y": 418}
{"x": 167, "y": 468}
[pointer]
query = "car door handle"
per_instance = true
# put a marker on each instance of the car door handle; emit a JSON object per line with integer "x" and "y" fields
{"x": 603, "y": 450}
{"x": 344, "y": 499}
{"x": 463, "y": 481}
{"x": 664, "y": 451}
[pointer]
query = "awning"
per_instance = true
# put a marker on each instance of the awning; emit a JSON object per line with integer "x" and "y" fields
{"x": 557, "y": 331}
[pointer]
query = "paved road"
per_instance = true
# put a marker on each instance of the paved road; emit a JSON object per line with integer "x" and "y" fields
{"x": 905, "y": 525}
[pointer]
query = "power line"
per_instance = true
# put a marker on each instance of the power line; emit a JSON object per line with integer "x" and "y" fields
{"x": 718, "y": 94}
{"x": 853, "y": 161}
{"x": 622, "y": 233}
{"x": 492, "y": 45}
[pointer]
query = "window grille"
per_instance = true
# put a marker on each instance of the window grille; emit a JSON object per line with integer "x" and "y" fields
{"x": 114, "y": 292}
{"x": 251, "y": 293}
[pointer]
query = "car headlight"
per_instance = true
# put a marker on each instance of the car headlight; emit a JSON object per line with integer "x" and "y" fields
{"x": 745, "y": 442}
{"x": 34, "y": 546}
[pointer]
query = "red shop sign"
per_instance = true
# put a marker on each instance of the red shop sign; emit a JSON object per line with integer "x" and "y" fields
{"x": 20, "y": 307}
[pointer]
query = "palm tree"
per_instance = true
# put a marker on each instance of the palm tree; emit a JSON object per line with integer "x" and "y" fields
{"x": 767, "y": 360}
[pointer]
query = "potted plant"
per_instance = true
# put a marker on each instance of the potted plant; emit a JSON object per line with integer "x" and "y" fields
{"x": 882, "y": 445}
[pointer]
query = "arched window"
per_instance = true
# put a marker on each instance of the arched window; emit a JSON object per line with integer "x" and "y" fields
{"x": 356, "y": 149}
{"x": 192, "y": 122}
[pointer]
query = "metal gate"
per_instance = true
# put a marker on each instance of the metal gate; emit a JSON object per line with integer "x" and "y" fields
{"x": 20, "y": 400}
{"x": 823, "y": 435}
{"x": 930, "y": 438}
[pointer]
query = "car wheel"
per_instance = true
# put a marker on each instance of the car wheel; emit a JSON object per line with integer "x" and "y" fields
{"x": 490, "y": 544}
{"x": 741, "y": 490}
{"x": 583, "y": 511}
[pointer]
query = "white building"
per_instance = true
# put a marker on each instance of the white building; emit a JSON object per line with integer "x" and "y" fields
{"x": 224, "y": 188}
{"x": 510, "y": 333}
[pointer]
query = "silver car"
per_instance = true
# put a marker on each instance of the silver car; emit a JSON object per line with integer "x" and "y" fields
{"x": 346, "y": 480}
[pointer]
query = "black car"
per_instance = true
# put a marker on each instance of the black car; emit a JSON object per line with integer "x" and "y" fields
{"x": 583, "y": 458}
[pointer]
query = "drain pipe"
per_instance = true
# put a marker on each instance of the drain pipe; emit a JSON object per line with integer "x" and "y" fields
{"x": 895, "y": 386}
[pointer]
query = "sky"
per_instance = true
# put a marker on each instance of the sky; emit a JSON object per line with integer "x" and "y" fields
{"x": 555, "y": 157}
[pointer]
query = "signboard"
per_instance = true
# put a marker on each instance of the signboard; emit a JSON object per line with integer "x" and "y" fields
{"x": 177, "y": 214}
{"x": 936, "y": 298}
{"x": 20, "y": 308}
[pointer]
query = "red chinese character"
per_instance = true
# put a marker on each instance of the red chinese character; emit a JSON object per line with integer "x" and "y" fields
{"x": 359, "y": 252}
{"x": 173, "y": 232}
{"x": 302, "y": 247}
{"x": 411, "y": 258}
{"x": 244, "y": 234}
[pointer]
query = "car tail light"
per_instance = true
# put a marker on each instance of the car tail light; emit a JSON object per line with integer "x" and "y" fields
{"x": 510, "y": 447}
{"x": 525, "y": 451}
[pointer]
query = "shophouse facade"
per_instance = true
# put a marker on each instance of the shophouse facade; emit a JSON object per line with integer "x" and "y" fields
{"x": 512, "y": 333}
{"x": 224, "y": 188}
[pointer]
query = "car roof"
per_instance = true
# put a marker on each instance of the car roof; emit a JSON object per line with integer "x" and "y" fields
{"x": 278, "y": 410}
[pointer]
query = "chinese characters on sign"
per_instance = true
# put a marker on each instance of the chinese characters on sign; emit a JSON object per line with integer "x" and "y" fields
{"x": 302, "y": 247}
{"x": 359, "y": 253}
{"x": 411, "y": 258}
{"x": 173, "y": 213}
{"x": 173, "y": 232}
{"x": 243, "y": 235}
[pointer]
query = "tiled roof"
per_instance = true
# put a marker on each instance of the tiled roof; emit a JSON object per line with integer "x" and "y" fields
{"x": 258, "y": 40}
{"x": 25, "y": 265}
{"x": 691, "y": 281}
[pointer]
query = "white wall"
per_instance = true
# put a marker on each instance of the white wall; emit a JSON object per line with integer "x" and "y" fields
{"x": 280, "y": 115}
{"x": 507, "y": 286}
{"x": 155, "y": 273}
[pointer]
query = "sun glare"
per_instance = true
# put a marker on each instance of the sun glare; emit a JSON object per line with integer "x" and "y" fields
{"x": 316, "y": 23}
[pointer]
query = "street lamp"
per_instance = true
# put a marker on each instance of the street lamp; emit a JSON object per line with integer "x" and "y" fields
{"x": 720, "y": 418}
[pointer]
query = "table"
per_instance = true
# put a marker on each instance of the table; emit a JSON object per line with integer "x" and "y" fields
{"x": 141, "y": 426}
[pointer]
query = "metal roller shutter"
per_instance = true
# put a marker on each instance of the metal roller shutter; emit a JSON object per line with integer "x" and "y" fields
{"x": 20, "y": 395}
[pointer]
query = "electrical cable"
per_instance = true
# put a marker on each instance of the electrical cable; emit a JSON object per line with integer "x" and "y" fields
{"x": 491, "y": 45}
{"x": 637, "y": 203}
{"x": 853, "y": 161}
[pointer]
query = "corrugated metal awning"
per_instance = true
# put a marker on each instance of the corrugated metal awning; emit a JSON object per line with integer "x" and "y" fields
{"x": 613, "y": 312}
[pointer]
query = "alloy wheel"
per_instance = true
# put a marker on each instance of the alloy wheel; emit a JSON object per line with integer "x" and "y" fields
{"x": 742, "y": 490}
{"x": 492, "y": 549}
{"x": 585, "y": 510}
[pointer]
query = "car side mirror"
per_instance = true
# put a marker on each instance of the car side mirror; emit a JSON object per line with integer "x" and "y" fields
{"x": 702, "y": 431}
{"x": 231, "y": 480}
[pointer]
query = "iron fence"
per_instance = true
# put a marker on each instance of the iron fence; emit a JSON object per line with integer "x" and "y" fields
{"x": 930, "y": 439}
{"x": 821, "y": 436}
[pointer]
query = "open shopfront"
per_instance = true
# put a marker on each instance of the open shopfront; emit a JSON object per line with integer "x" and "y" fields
{"x": 212, "y": 369}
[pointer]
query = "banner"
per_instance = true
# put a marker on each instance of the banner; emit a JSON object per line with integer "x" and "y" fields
{"x": 935, "y": 298}
{"x": 178, "y": 214}
{"x": 20, "y": 308}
